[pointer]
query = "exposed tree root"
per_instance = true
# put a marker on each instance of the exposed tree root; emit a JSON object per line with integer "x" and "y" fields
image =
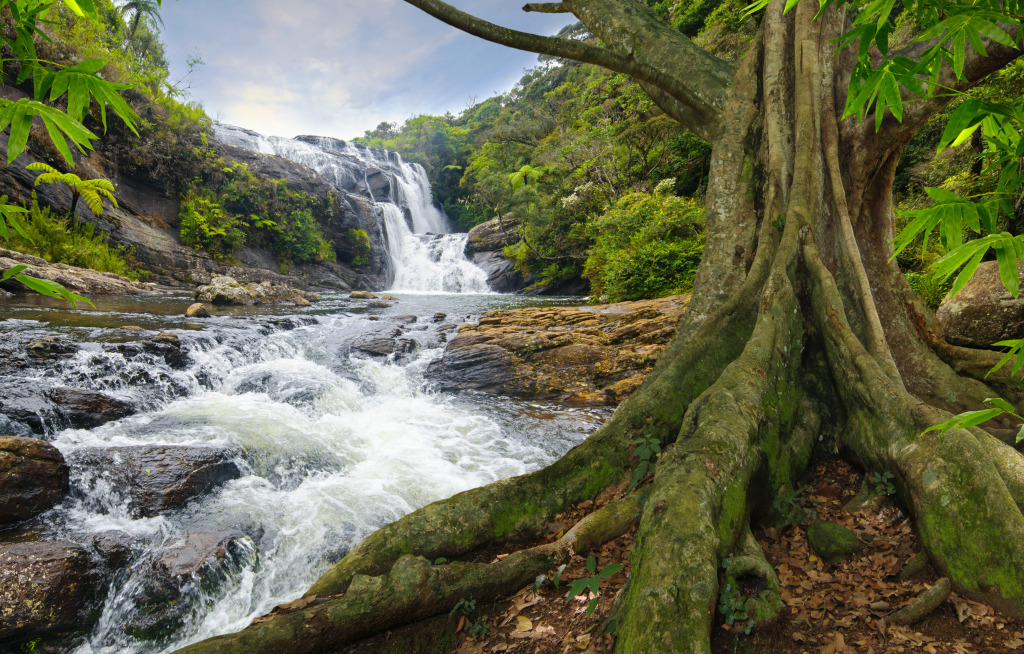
{"x": 922, "y": 605}
{"x": 414, "y": 589}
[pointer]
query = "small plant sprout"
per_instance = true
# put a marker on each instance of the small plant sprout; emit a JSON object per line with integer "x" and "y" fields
{"x": 647, "y": 448}
{"x": 592, "y": 583}
{"x": 882, "y": 483}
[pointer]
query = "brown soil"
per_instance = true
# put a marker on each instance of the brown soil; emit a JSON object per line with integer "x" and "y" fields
{"x": 829, "y": 609}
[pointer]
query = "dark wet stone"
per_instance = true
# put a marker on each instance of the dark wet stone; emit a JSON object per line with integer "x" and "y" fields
{"x": 50, "y": 348}
{"x": 405, "y": 320}
{"x": 115, "y": 547}
{"x": 33, "y": 478}
{"x": 156, "y": 478}
{"x": 85, "y": 409}
{"x": 439, "y": 317}
{"x": 46, "y": 587}
{"x": 202, "y": 560}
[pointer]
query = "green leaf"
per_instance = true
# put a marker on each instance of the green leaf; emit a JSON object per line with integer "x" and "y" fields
{"x": 52, "y": 289}
{"x": 14, "y": 270}
{"x": 1002, "y": 404}
{"x": 965, "y": 420}
{"x": 610, "y": 570}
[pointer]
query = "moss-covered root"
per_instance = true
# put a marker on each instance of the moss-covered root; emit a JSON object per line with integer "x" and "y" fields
{"x": 962, "y": 487}
{"x": 413, "y": 590}
{"x": 922, "y": 605}
{"x": 750, "y": 569}
{"x": 698, "y": 512}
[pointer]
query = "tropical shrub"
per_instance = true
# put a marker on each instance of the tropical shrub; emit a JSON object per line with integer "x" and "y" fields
{"x": 645, "y": 246}
{"x": 60, "y": 239}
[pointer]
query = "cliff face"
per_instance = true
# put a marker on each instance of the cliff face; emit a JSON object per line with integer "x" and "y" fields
{"x": 146, "y": 218}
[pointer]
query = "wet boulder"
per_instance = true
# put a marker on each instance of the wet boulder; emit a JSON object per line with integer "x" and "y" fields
{"x": 167, "y": 345}
{"x": 33, "y": 478}
{"x": 154, "y": 479}
{"x": 50, "y": 349}
{"x": 502, "y": 275}
{"x": 983, "y": 312}
{"x": 114, "y": 547}
{"x": 199, "y": 562}
{"x": 46, "y": 588}
{"x": 27, "y": 405}
{"x": 85, "y": 409}
{"x": 361, "y": 295}
{"x": 197, "y": 310}
{"x": 380, "y": 345}
{"x": 226, "y": 290}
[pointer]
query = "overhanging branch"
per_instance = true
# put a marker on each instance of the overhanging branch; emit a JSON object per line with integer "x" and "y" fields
{"x": 696, "y": 80}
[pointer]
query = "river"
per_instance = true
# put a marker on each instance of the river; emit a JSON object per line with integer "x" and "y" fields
{"x": 331, "y": 443}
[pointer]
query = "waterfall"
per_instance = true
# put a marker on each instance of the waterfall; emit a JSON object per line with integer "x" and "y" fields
{"x": 424, "y": 256}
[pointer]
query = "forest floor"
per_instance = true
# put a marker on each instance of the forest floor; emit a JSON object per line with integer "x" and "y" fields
{"x": 829, "y": 609}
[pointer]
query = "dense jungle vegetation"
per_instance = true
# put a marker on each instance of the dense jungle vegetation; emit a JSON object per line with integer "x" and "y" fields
{"x": 592, "y": 171}
{"x": 224, "y": 206}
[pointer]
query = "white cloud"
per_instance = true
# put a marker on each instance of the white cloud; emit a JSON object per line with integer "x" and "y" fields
{"x": 336, "y": 67}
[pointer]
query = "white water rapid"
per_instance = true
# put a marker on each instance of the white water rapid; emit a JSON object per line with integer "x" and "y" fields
{"x": 330, "y": 443}
{"x": 425, "y": 258}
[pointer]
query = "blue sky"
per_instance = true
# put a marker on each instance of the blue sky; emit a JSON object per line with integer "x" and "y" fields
{"x": 337, "y": 68}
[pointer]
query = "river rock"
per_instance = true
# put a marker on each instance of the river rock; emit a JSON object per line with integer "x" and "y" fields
{"x": 115, "y": 547}
{"x": 197, "y": 310}
{"x": 201, "y": 559}
{"x": 85, "y": 409}
{"x": 37, "y": 407}
{"x": 45, "y": 588}
{"x": 33, "y": 478}
{"x": 592, "y": 355}
{"x": 383, "y": 343}
{"x": 502, "y": 275}
{"x": 983, "y": 312}
{"x": 833, "y": 542}
{"x": 389, "y": 297}
{"x": 50, "y": 348}
{"x": 225, "y": 290}
{"x": 378, "y": 304}
{"x": 155, "y": 479}
{"x": 493, "y": 235}
{"x": 361, "y": 295}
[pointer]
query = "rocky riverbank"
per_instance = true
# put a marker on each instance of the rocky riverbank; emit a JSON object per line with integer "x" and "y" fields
{"x": 583, "y": 356}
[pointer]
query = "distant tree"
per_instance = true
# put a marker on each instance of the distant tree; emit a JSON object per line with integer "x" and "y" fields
{"x": 140, "y": 9}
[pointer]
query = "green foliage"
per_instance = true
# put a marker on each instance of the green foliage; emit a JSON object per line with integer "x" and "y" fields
{"x": 882, "y": 483}
{"x": 464, "y": 606}
{"x": 647, "y": 449}
{"x": 227, "y": 206}
{"x": 931, "y": 289}
{"x": 592, "y": 583}
{"x": 645, "y": 246}
{"x": 360, "y": 242}
{"x": 205, "y": 226}
{"x": 61, "y": 239}
{"x": 92, "y": 191}
{"x": 969, "y": 419}
{"x": 732, "y": 604}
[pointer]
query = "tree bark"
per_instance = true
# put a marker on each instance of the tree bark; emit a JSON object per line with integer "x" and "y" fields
{"x": 801, "y": 331}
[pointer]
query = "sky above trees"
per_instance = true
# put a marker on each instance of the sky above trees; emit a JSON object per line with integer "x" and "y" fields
{"x": 337, "y": 68}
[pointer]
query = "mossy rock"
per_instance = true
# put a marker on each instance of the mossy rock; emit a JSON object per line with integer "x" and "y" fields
{"x": 833, "y": 543}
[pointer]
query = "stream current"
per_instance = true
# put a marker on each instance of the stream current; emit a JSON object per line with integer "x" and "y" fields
{"x": 331, "y": 444}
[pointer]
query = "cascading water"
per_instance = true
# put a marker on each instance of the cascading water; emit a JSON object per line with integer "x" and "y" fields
{"x": 330, "y": 445}
{"x": 424, "y": 256}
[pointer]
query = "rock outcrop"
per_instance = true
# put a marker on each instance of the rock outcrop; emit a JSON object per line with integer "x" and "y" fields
{"x": 45, "y": 588}
{"x": 33, "y": 478}
{"x": 594, "y": 355}
{"x": 983, "y": 312}
{"x": 226, "y": 290}
{"x": 493, "y": 235}
{"x": 80, "y": 280}
{"x": 40, "y": 408}
{"x": 201, "y": 559}
{"x": 155, "y": 479}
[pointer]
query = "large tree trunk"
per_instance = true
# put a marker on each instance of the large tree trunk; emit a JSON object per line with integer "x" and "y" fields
{"x": 801, "y": 331}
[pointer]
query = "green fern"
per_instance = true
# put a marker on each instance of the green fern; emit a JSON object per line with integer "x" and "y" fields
{"x": 91, "y": 191}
